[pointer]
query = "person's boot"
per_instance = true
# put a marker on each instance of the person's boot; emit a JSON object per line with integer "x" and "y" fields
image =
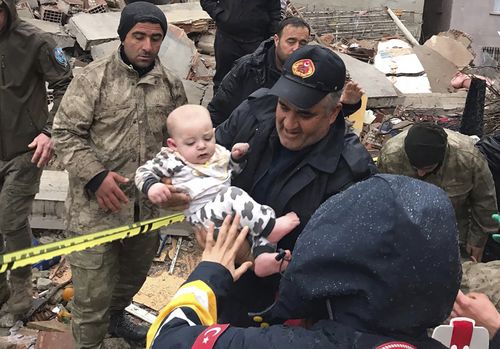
{"x": 20, "y": 300}
{"x": 4, "y": 289}
{"x": 121, "y": 326}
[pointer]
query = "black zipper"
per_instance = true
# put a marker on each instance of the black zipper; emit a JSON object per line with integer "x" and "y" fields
{"x": 2, "y": 65}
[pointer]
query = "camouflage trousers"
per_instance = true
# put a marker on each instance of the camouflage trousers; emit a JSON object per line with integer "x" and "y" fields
{"x": 105, "y": 278}
{"x": 483, "y": 278}
{"x": 19, "y": 182}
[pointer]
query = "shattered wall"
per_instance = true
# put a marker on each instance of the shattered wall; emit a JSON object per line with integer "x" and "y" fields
{"x": 475, "y": 18}
{"x": 413, "y": 21}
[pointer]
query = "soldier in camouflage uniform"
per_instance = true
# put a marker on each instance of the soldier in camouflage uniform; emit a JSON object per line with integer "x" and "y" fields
{"x": 483, "y": 278}
{"x": 111, "y": 120}
{"x": 28, "y": 59}
{"x": 451, "y": 161}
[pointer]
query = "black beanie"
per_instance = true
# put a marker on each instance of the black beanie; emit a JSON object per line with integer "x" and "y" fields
{"x": 425, "y": 144}
{"x": 140, "y": 12}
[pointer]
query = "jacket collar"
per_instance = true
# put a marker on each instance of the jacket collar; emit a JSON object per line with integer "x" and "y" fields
{"x": 325, "y": 154}
{"x": 152, "y": 77}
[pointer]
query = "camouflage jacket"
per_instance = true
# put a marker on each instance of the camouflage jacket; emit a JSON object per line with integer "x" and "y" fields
{"x": 111, "y": 119}
{"x": 465, "y": 177}
{"x": 28, "y": 59}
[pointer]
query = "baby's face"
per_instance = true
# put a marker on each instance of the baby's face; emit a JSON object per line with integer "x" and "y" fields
{"x": 196, "y": 141}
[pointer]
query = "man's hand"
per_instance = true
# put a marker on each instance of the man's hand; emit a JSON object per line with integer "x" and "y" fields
{"x": 477, "y": 306}
{"x": 475, "y": 252}
{"x": 159, "y": 194}
{"x": 239, "y": 150}
{"x": 225, "y": 249}
{"x": 178, "y": 200}
{"x": 44, "y": 149}
{"x": 352, "y": 93}
{"x": 109, "y": 195}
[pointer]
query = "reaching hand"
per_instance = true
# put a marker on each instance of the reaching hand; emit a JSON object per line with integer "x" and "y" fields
{"x": 352, "y": 93}
{"x": 44, "y": 149}
{"x": 477, "y": 306}
{"x": 158, "y": 193}
{"x": 109, "y": 195}
{"x": 239, "y": 150}
{"x": 225, "y": 249}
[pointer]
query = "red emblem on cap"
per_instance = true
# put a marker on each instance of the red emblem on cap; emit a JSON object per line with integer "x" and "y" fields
{"x": 303, "y": 68}
{"x": 396, "y": 345}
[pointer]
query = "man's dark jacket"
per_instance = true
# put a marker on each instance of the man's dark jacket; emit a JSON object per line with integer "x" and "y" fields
{"x": 244, "y": 20}
{"x": 331, "y": 165}
{"x": 248, "y": 74}
{"x": 28, "y": 58}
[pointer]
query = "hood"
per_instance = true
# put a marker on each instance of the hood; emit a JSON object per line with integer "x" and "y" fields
{"x": 380, "y": 257}
{"x": 10, "y": 5}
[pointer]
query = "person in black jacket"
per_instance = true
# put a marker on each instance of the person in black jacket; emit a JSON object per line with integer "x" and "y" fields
{"x": 241, "y": 26}
{"x": 300, "y": 154}
{"x": 490, "y": 147}
{"x": 376, "y": 266}
{"x": 261, "y": 68}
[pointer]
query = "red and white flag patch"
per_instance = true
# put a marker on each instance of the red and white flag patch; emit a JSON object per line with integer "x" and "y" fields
{"x": 208, "y": 338}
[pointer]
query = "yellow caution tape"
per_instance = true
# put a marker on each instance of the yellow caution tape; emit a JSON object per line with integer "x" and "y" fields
{"x": 21, "y": 258}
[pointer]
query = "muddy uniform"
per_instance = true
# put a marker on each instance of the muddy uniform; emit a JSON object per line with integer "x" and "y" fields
{"x": 111, "y": 120}
{"x": 28, "y": 59}
{"x": 464, "y": 175}
{"x": 483, "y": 278}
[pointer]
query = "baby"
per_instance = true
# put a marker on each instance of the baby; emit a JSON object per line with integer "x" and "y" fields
{"x": 202, "y": 169}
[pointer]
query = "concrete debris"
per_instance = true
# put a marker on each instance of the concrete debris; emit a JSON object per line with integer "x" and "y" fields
{"x": 50, "y": 340}
{"x": 43, "y": 284}
{"x": 452, "y": 49}
{"x": 396, "y": 59}
{"x": 439, "y": 70}
{"x": 48, "y": 326}
{"x": 60, "y": 36}
{"x": 206, "y": 44}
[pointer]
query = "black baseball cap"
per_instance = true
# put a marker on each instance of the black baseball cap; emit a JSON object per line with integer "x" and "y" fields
{"x": 309, "y": 74}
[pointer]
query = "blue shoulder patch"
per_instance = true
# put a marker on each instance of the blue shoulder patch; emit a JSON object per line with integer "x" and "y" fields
{"x": 60, "y": 57}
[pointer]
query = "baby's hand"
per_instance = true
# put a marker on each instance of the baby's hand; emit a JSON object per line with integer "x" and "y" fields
{"x": 239, "y": 149}
{"x": 159, "y": 193}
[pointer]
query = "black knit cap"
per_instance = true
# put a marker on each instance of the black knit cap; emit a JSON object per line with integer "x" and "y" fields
{"x": 425, "y": 144}
{"x": 140, "y": 12}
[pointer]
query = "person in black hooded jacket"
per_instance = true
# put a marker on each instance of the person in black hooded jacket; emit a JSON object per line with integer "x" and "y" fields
{"x": 376, "y": 266}
{"x": 241, "y": 26}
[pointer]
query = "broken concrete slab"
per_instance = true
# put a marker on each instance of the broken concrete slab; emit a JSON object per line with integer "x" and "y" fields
{"x": 48, "y": 207}
{"x": 439, "y": 70}
{"x": 94, "y": 29}
{"x": 189, "y": 16}
{"x": 373, "y": 81}
{"x": 62, "y": 38}
{"x": 177, "y": 51}
{"x": 451, "y": 49}
{"x": 396, "y": 59}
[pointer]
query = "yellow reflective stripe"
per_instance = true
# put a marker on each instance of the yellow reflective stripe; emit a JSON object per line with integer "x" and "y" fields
{"x": 36, "y": 254}
{"x": 196, "y": 295}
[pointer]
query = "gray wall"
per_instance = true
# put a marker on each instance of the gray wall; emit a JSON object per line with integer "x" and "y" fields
{"x": 474, "y": 18}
